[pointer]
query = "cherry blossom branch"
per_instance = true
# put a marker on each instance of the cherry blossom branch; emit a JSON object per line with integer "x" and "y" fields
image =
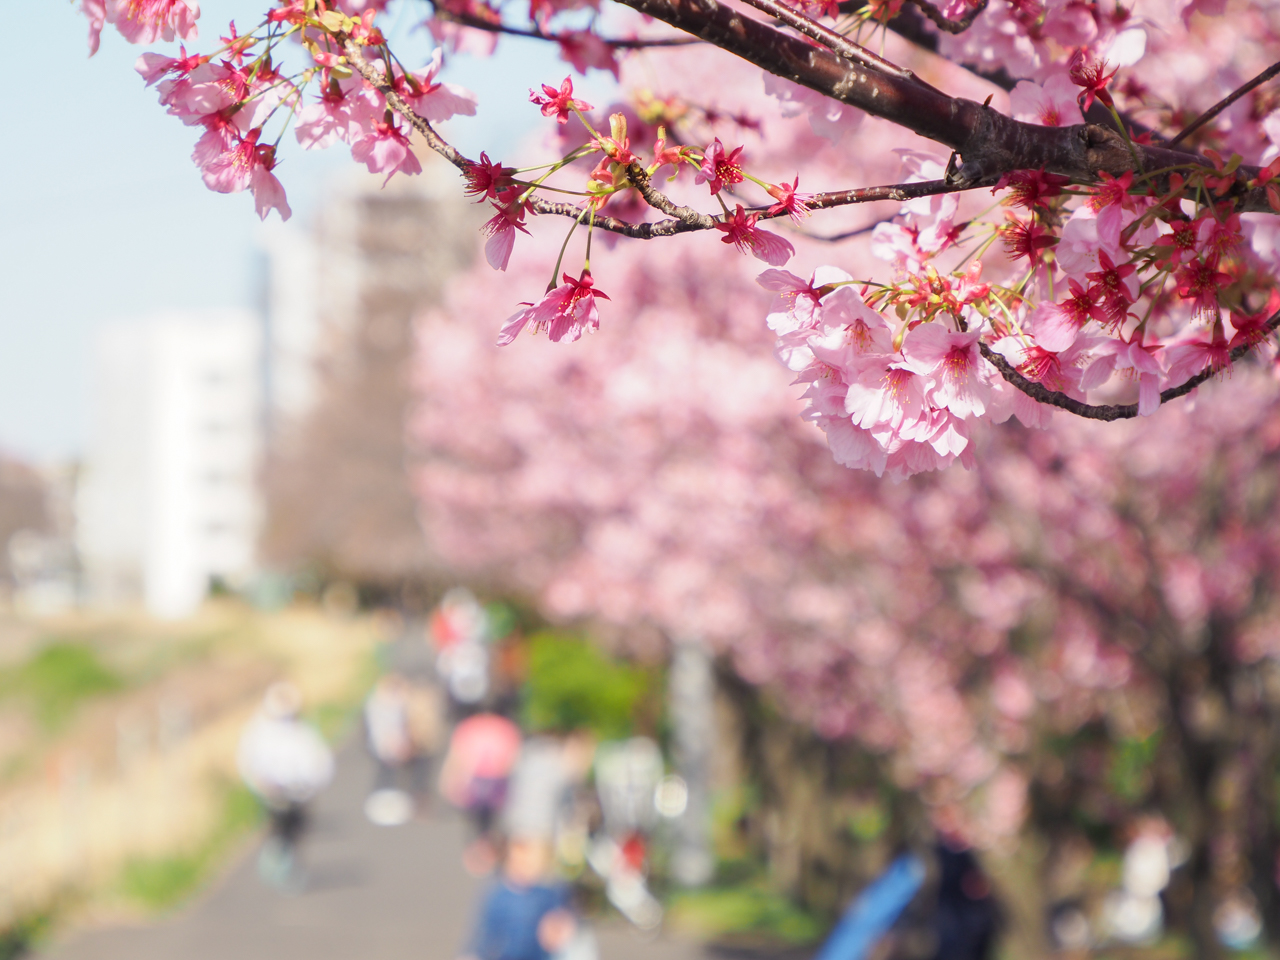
{"x": 382, "y": 84}
{"x": 990, "y": 143}
{"x": 1225, "y": 102}
{"x": 476, "y": 23}
{"x": 912, "y": 26}
{"x": 1110, "y": 411}
{"x": 958, "y": 25}
{"x": 658, "y": 200}
{"x": 682, "y": 219}
{"x": 828, "y": 37}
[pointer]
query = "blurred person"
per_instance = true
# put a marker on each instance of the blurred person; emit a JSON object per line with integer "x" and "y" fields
{"x": 966, "y": 918}
{"x": 544, "y": 781}
{"x": 286, "y": 763}
{"x": 1134, "y": 913}
{"x": 458, "y": 618}
{"x": 403, "y": 728}
{"x": 526, "y": 915}
{"x": 459, "y": 631}
{"x": 474, "y": 777}
{"x": 426, "y": 705}
{"x": 627, "y": 775}
{"x": 389, "y": 736}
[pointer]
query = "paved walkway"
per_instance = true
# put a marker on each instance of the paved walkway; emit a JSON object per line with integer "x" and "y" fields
{"x": 374, "y": 894}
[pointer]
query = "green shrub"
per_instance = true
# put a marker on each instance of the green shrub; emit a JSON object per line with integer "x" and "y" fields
{"x": 571, "y": 684}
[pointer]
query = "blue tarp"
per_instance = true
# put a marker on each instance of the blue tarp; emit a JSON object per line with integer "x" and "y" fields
{"x": 874, "y": 910}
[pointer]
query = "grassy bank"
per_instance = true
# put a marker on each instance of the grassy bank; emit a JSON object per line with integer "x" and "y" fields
{"x": 118, "y": 788}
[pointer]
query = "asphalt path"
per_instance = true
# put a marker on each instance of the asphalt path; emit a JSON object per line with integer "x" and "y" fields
{"x": 372, "y": 893}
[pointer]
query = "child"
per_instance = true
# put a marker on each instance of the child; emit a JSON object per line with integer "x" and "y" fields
{"x": 525, "y": 915}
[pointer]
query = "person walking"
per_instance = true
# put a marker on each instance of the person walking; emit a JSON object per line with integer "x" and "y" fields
{"x": 286, "y": 763}
{"x": 482, "y": 752}
{"x": 402, "y": 726}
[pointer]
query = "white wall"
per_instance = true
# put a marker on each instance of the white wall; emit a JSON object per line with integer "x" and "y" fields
{"x": 169, "y": 497}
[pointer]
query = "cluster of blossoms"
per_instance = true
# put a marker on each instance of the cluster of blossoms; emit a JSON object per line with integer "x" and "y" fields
{"x": 141, "y": 21}
{"x": 236, "y": 92}
{"x": 1121, "y": 288}
{"x": 569, "y": 309}
{"x": 1149, "y": 279}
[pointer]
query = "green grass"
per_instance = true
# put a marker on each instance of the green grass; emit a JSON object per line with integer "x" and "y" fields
{"x": 159, "y": 884}
{"x": 57, "y": 679}
{"x": 728, "y": 911}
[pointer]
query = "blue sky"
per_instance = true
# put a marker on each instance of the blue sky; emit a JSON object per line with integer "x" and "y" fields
{"x": 103, "y": 216}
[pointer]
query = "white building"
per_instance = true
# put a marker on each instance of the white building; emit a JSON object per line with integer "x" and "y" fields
{"x": 168, "y": 500}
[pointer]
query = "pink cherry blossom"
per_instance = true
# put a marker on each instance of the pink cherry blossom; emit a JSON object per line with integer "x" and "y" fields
{"x": 887, "y": 394}
{"x": 153, "y": 66}
{"x": 564, "y": 313}
{"x": 1133, "y": 358}
{"x": 1199, "y": 281}
{"x": 1110, "y": 201}
{"x": 1187, "y": 358}
{"x": 432, "y": 99}
{"x": 1031, "y": 189}
{"x": 246, "y": 164}
{"x": 1181, "y": 244}
{"x": 720, "y": 168}
{"x": 794, "y": 204}
{"x": 897, "y": 244}
{"x": 799, "y": 298}
{"x": 952, "y": 360}
{"x": 1091, "y": 75}
{"x": 341, "y": 113}
{"x": 1057, "y": 325}
{"x": 559, "y": 103}
{"x": 501, "y": 228}
{"x": 1116, "y": 287}
{"x": 146, "y": 21}
{"x": 385, "y": 148}
{"x": 1051, "y": 104}
{"x": 486, "y": 179}
{"x": 585, "y": 50}
{"x": 96, "y": 12}
{"x": 741, "y": 230}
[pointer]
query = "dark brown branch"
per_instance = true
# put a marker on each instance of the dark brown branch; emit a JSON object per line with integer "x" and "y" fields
{"x": 944, "y": 23}
{"x": 660, "y": 201}
{"x": 1225, "y": 102}
{"x": 687, "y": 220}
{"x": 475, "y": 23}
{"x": 1110, "y": 411}
{"x": 828, "y": 38}
{"x": 912, "y": 26}
{"x": 990, "y": 143}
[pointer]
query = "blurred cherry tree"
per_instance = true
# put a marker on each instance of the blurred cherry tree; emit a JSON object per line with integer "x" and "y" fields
{"x": 1078, "y": 632}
